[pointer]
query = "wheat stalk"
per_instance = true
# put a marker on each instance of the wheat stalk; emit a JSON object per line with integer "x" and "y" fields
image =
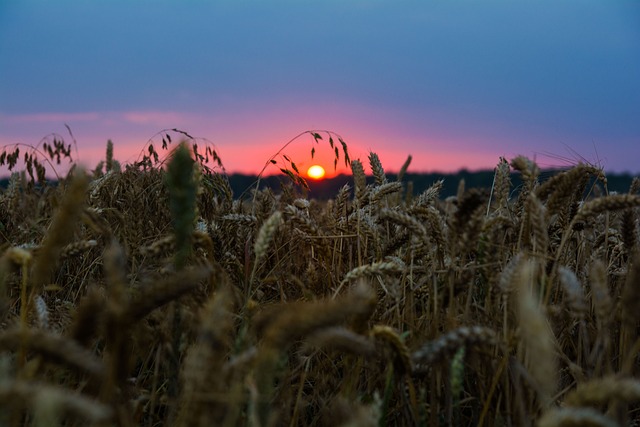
{"x": 536, "y": 334}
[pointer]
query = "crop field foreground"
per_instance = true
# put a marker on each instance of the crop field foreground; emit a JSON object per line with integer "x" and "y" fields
{"x": 149, "y": 295}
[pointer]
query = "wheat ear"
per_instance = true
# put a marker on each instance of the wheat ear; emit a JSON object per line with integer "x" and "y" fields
{"x": 376, "y": 168}
{"x": 162, "y": 292}
{"x": 601, "y": 391}
{"x": 435, "y": 351}
{"x": 202, "y": 400}
{"x": 294, "y": 321}
{"x": 340, "y": 339}
{"x": 265, "y": 236}
{"x": 381, "y": 268}
{"x": 360, "y": 181}
{"x": 609, "y": 203}
{"x": 401, "y": 357}
{"x": 60, "y": 231}
{"x": 54, "y": 348}
{"x": 182, "y": 196}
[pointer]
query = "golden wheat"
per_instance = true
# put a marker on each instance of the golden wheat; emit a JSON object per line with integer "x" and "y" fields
{"x": 148, "y": 295}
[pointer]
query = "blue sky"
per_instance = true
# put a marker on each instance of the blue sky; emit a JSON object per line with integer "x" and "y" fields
{"x": 454, "y": 83}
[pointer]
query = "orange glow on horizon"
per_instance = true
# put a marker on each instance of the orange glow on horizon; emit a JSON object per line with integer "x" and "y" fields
{"x": 316, "y": 172}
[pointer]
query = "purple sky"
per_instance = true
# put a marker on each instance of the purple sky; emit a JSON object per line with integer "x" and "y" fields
{"x": 454, "y": 83}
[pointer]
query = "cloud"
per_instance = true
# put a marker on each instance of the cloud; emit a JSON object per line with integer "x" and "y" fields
{"x": 157, "y": 118}
{"x": 48, "y": 117}
{"x": 137, "y": 117}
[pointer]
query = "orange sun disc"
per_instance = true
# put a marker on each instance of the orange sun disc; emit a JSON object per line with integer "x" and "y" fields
{"x": 316, "y": 172}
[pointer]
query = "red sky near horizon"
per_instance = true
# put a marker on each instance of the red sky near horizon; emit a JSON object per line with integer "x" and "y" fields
{"x": 454, "y": 84}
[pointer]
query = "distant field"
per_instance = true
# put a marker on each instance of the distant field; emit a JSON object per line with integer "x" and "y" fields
{"x": 151, "y": 295}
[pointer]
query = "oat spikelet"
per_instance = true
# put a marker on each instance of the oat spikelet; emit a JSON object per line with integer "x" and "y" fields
{"x": 575, "y": 417}
{"x": 401, "y": 356}
{"x": 61, "y": 230}
{"x": 446, "y": 345}
{"x": 536, "y": 335}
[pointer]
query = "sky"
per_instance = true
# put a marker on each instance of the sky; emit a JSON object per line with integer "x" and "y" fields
{"x": 456, "y": 84}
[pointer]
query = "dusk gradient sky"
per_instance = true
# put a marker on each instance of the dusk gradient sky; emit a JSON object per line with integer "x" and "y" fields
{"x": 456, "y": 83}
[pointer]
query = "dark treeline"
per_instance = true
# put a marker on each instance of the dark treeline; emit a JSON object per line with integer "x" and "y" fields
{"x": 414, "y": 182}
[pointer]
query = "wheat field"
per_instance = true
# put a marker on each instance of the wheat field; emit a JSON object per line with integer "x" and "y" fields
{"x": 148, "y": 295}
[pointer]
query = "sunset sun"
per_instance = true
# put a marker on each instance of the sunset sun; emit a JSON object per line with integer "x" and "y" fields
{"x": 316, "y": 172}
